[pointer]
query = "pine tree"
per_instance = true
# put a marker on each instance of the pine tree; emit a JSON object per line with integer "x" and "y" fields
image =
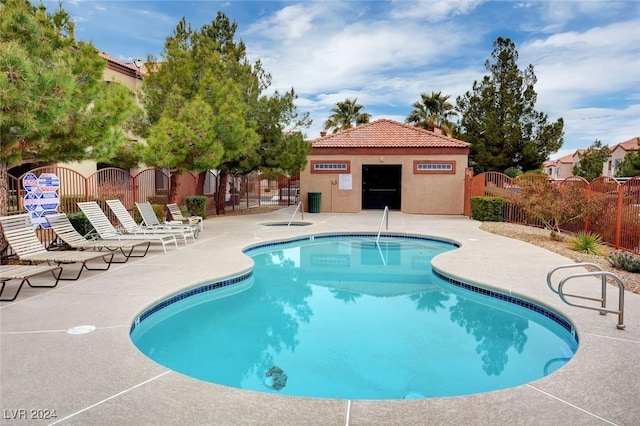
{"x": 207, "y": 71}
{"x": 499, "y": 118}
{"x": 630, "y": 165}
{"x": 55, "y": 105}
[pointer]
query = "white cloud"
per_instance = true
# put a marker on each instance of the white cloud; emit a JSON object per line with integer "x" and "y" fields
{"x": 556, "y": 15}
{"x": 577, "y": 70}
{"x": 290, "y": 23}
{"x": 585, "y": 53}
{"x": 354, "y": 55}
{"x": 610, "y": 125}
{"x": 432, "y": 10}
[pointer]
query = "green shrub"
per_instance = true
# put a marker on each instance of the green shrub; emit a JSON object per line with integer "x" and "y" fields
{"x": 486, "y": 209}
{"x": 588, "y": 242}
{"x": 197, "y": 205}
{"x": 625, "y": 261}
{"x": 80, "y": 223}
{"x": 160, "y": 210}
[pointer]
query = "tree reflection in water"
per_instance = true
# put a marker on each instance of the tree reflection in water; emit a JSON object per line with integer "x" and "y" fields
{"x": 290, "y": 307}
{"x": 345, "y": 296}
{"x": 429, "y": 301}
{"x": 495, "y": 330}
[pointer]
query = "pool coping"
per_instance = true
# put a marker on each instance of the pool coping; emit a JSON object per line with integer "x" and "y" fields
{"x": 100, "y": 378}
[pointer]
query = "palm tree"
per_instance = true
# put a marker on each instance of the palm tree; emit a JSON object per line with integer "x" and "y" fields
{"x": 345, "y": 114}
{"x": 433, "y": 110}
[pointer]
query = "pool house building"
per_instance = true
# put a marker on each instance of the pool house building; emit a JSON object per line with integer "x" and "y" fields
{"x": 386, "y": 163}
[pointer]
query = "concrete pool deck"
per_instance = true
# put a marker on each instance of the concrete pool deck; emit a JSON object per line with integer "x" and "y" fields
{"x": 101, "y": 378}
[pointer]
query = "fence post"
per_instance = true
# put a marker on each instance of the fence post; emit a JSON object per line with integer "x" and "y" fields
{"x": 134, "y": 186}
{"x": 587, "y": 220}
{"x": 616, "y": 243}
{"x": 245, "y": 185}
{"x": 19, "y": 200}
{"x": 466, "y": 208}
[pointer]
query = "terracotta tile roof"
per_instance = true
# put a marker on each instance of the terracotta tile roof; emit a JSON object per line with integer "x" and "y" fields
{"x": 117, "y": 61}
{"x": 632, "y": 144}
{"x": 567, "y": 159}
{"x": 385, "y": 133}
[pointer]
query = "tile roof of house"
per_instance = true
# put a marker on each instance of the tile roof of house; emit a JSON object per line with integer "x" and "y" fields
{"x": 385, "y": 133}
{"x": 632, "y": 144}
{"x": 566, "y": 159}
{"x": 126, "y": 68}
{"x": 117, "y": 61}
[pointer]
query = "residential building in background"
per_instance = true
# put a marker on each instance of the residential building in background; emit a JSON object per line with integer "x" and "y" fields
{"x": 617, "y": 154}
{"x": 562, "y": 167}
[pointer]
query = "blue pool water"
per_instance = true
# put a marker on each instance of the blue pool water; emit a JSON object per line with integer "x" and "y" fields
{"x": 346, "y": 318}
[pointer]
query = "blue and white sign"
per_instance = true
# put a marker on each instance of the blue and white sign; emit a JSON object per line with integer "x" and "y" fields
{"x": 29, "y": 182}
{"x": 48, "y": 182}
{"x": 31, "y": 201}
{"x": 42, "y": 197}
{"x": 49, "y": 201}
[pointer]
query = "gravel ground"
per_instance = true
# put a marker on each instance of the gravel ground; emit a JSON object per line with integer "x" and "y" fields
{"x": 540, "y": 237}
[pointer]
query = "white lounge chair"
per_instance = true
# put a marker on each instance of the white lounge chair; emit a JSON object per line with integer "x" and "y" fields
{"x": 131, "y": 227}
{"x": 63, "y": 228}
{"x": 106, "y": 231}
{"x": 22, "y": 239}
{"x": 176, "y": 214}
{"x": 150, "y": 220}
{"x": 23, "y": 273}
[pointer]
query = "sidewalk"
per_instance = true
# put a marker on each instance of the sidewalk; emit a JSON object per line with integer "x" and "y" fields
{"x": 100, "y": 378}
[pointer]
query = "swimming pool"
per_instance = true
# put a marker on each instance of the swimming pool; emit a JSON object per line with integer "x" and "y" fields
{"x": 342, "y": 317}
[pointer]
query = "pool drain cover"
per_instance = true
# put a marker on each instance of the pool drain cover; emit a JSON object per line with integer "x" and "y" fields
{"x": 81, "y": 329}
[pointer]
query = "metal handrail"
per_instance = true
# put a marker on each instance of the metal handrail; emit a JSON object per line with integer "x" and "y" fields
{"x": 300, "y": 207}
{"x": 575, "y": 265}
{"x": 603, "y": 298}
{"x": 385, "y": 215}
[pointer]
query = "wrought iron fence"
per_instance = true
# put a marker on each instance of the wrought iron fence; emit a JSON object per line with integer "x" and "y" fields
{"x": 618, "y": 222}
{"x": 241, "y": 191}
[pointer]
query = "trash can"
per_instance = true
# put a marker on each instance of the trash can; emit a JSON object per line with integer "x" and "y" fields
{"x": 314, "y": 202}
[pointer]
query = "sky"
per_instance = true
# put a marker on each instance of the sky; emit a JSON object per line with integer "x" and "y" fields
{"x": 585, "y": 53}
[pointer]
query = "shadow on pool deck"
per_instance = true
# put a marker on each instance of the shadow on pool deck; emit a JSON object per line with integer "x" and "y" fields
{"x": 101, "y": 378}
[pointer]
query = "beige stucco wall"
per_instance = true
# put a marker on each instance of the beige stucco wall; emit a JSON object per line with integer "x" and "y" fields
{"x": 85, "y": 168}
{"x": 421, "y": 193}
{"x": 615, "y": 157}
{"x": 125, "y": 80}
{"x": 564, "y": 170}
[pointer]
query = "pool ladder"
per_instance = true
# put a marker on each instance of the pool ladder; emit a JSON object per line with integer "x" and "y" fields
{"x": 603, "y": 297}
{"x": 385, "y": 216}
{"x": 299, "y": 207}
